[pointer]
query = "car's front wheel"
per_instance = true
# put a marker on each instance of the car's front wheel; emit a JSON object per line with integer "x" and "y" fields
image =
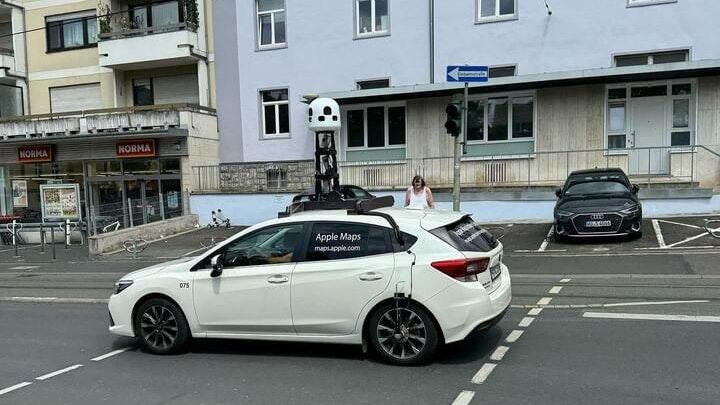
{"x": 162, "y": 326}
{"x": 404, "y": 335}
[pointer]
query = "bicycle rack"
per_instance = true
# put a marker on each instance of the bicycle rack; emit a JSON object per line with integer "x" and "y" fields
{"x": 135, "y": 246}
{"x": 712, "y": 226}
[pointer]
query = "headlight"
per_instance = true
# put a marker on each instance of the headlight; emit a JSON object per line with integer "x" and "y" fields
{"x": 121, "y": 285}
{"x": 631, "y": 210}
{"x": 564, "y": 214}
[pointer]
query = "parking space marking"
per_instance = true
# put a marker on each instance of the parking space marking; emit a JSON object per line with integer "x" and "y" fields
{"x": 112, "y": 353}
{"x": 544, "y": 301}
{"x": 525, "y": 322}
{"x": 658, "y": 233}
{"x": 56, "y": 373}
{"x": 514, "y": 336}
{"x": 535, "y": 311}
{"x": 483, "y": 373}
{"x": 463, "y": 398}
{"x": 545, "y": 242}
{"x": 652, "y": 317}
{"x": 555, "y": 290}
{"x": 14, "y": 387}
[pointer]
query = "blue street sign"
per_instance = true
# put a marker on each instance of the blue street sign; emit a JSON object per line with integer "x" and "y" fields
{"x": 467, "y": 74}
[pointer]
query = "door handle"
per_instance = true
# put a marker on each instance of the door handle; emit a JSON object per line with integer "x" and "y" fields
{"x": 278, "y": 279}
{"x": 370, "y": 276}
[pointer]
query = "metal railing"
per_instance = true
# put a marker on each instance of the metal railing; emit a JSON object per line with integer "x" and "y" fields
{"x": 134, "y": 32}
{"x": 650, "y": 165}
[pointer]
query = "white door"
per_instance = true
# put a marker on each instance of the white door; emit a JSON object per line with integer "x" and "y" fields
{"x": 252, "y": 295}
{"x": 648, "y": 130}
{"x": 346, "y": 266}
{"x": 76, "y": 98}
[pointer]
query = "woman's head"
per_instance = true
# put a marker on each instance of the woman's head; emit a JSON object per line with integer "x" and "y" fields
{"x": 418, "y": 182}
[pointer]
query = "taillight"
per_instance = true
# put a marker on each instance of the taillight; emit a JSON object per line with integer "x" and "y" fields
{"x": 462, "y": 269}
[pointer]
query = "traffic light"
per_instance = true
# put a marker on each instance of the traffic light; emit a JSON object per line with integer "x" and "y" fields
{"x": 454, "y": 118}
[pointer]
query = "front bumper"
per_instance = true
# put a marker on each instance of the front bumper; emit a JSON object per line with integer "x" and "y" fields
{"x": 120, "y": 307}
{"x": 464, "y": 307}
{"x": 572, "y": 226}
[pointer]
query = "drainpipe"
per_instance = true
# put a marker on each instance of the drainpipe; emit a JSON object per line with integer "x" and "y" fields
{"x": 432, "y": 40}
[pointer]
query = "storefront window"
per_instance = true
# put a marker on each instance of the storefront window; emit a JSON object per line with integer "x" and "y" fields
{"x": 170, "y": 166}
{"x": 104, "y": 168}
{"x": 172, "y": 198}
{"x": 140, "y": 166}
{"x": 25, "y": 182}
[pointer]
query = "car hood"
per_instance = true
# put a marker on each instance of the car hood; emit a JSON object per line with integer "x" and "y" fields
{"x": 147, "y": 271}
{"x": 596, "y": 203}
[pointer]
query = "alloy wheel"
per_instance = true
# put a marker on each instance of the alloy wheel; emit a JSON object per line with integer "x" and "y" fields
{"x": 401, "y": 333}
{"x": 159, "y": 327}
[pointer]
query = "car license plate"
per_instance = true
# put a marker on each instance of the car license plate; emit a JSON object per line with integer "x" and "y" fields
{"x": 495, "y": 271}
{"x": 597, "y": 224}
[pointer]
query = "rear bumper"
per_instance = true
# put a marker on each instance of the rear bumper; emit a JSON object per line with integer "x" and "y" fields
{"x": 464, "y": 307}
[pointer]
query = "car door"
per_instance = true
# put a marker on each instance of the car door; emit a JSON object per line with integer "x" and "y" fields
{"x": 252, "y": 295}
{"x": 345, "y": 266}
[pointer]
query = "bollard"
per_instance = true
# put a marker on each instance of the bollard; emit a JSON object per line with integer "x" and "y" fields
{"x": 42, "y": 239}
{"x": 14, "y": 239}
{"x": 67, "y": 233}
{"x": 52, "y": 236}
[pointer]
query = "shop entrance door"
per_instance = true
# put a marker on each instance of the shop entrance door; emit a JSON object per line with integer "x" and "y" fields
{"x": 143, "y": 197}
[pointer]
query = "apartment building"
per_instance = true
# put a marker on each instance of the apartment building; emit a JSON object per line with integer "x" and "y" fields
{"x": 119, "y": 103}
{"x": 13, "y": 65}
{"x": 576, "y": 84}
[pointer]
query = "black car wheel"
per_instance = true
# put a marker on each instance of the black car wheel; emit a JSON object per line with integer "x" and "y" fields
{"x": 162, "y": 326}
{"x": 404, "y": 335}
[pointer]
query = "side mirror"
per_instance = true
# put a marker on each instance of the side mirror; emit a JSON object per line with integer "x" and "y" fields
{"x": 217, "y": 266}
{"x": 635, "y": 188}
{"x": 558, "y": 192}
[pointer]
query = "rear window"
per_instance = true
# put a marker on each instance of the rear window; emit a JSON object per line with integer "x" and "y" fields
{"x": 466, "y": 235}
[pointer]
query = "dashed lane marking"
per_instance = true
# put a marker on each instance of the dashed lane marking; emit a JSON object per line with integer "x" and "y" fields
{"x": 534, "y": 311}
{"x": 525, "y": 322}
{"x": 463, "y": 398}
{"x": 499, "y": 353}
{"x": 24, "y": 267}
{"x": 483, "y": 373}
{"x": 555, "y": 290}
{"x": 55, "y": 300}
{"x": 652, "y": 317}
{"x": 544, "y": 301}
{"x": 14, "y": 387}
{"x": 619, "y": 304}
{"x": 514, "y": 336}
{"x": 112, "y": 353}
{"x": 56, "y": 373}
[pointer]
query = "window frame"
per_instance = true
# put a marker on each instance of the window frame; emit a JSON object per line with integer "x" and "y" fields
{"x": 152, "y": 90}
{"x": 389, "y": 246}
{"x": 479, "y": 19}
{"x": 22, "y": 100}
{"x": 642, "y": 3}
{"x": 148, "y": 4}
{"x": 258, "y": 27}
{"x": 509, "y": 96}
{"x": 650, "y": 54}
{"x": 511, "y": 66}
{"x": 386, "y": 139}
{"x": 377, "y": 79}
{"x": 374, "y": 33}
{"x": 85, "y": 16}
{"x": 278, "y": 135}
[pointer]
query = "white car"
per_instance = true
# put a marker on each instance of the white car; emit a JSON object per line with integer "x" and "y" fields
{"x": 402, "y": 281}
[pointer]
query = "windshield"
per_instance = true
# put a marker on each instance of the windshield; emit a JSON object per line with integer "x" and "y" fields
{"x": 596, "y": 187}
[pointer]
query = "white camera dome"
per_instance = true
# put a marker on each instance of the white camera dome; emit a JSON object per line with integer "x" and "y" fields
{"x": 324, "y": 115}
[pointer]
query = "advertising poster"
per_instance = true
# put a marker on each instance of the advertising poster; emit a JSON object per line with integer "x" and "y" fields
{"x": 173, "y": 200}
{"x": 60, "y": 201}
{"x": 19, "y": 190}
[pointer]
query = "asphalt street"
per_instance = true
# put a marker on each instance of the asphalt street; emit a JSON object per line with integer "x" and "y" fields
{"x": 600, "y": 322}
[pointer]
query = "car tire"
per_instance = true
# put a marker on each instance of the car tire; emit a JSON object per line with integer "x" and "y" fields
{"x": 411, "y": 341}
{"x": 161, "y": 327}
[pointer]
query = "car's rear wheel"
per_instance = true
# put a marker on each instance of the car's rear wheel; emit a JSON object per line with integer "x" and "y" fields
{"x": 162, "y": 326}
{"x": 404, "y": 335}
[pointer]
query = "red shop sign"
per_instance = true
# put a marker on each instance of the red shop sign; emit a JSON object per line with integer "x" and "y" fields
{"x": 136, "y": 148}
{"x": 35, "y": 154}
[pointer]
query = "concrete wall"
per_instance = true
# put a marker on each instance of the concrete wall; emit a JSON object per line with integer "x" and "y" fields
{"x": 113, "y": 241}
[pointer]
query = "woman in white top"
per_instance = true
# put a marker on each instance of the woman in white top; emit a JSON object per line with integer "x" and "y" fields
{"x": 419, "y": 195}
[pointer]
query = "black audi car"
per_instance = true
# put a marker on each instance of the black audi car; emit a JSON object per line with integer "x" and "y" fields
{"x": 597, "y": 202}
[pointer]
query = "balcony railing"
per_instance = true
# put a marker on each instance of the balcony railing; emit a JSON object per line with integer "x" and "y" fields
{"x": 135, "y": 32}
{"x": 110, "y": 120}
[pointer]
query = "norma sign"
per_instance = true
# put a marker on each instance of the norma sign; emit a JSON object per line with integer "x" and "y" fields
{"x": 136, "y": 148}
{"x": 35, "y": 154}
{"x": 467, "y": 74}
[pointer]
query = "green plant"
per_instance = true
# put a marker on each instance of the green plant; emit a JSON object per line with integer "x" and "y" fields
{"x": 104, "y": 17}
{"x": 192, "y": 16}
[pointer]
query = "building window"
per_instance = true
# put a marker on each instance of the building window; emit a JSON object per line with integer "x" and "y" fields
{"x": 637, "y": 3}
{"x": 617, "y": 118}
{"x": 270, "y": 23}
{"x": 501, "y": 71}
{"x": 501, "y": 118}
{"x": 156, "y": 14}
{"x": 680, "y": 132}
{"x": 652, "y": 58}
{"x": 372, "y": 84}
{"x": 372, "y": 17}
{"x": 71, "y": 31}
{"x": 496, "y": 10}
{"x": 275, "y": 113}
{"x": 276, "y": 179}
{"x": 11, "y": 101}
{"x": 143, "y": 92}
{"x": 376, "y": 126}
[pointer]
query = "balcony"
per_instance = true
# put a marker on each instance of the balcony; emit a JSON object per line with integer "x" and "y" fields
{"x": 7, "y": 61}
{"x": 151, "y": 47}
{"x": 171, "y": 118}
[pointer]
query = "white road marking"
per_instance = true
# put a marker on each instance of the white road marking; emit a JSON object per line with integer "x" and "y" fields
{"x": 483, "y": 373}
{"x": 499, "y": 353}
{"x": 692, "y": 238}
{"x": 545, "y": 242}
{"x": 544, "y": 301}
{"x": 658, "y": 233}
{"x": 565, "y": 280}
{"x": 24, "y": 267}
{"x": 535, "y": 251}
{"x": 535, "y": 311}
{"x": 14, "y": 387}
{"x": 464, "y": 398}
{"x": 525, "y": 322}
{"x": 56, "y": 373}
{"x": 555, "y": 290}
{"x": 678, "y": 223}
{"x": 112, "y": 353}
{"x": 514, "y": 336}
{"x": 55, "y": 300}
{"x": 632, "y": 304}
{"x": 652, "y": 317}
